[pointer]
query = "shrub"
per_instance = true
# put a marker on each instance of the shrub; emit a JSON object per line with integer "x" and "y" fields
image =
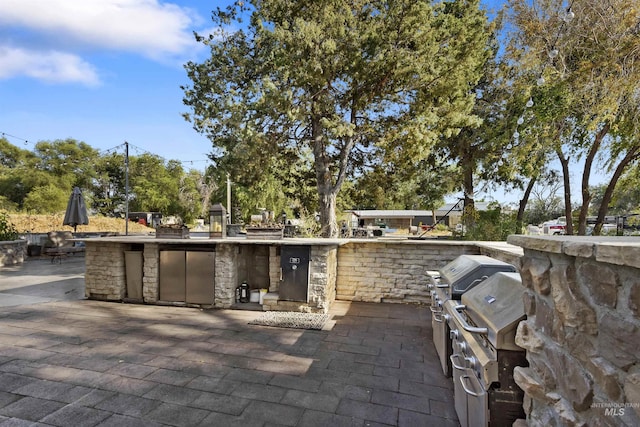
{"x": 8, "y": 231}
{"x": 490, "y": 225}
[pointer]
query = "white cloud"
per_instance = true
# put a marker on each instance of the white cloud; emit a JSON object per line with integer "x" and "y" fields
{"x": 52, "y": 66}
{"x": 154, "y": 29}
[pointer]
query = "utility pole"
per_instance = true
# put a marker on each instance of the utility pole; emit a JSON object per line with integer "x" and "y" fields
{"x": 126, "y": 188}
{"x": 228, "y": 199}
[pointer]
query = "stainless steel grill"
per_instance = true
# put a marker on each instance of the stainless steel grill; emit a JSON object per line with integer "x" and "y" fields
{"x": 484, "y": 354}
{"x": 451, "y": 282}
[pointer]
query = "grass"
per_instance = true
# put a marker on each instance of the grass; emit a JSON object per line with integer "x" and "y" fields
{"x": 26, "y": 223}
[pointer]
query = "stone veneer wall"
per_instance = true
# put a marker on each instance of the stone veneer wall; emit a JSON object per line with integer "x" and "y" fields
{"x": 274, "y": 269}
{"x": 322, "y": 277}
{"x": 360, "y": 270}
{"x": 150, "y": 270}
{"x": 12, "y": 252}
{"x": 377, "y": 271}
{"x": 582, "y": 332}
{"x": 105, "y": 277}
{"x": 226, "y": 275}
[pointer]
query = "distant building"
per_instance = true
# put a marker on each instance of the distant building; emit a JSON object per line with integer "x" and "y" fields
{"x": 449, "y": 214}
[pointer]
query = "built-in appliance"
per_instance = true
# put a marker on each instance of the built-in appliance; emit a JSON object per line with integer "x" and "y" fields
{"x": 450, "y": 282}
{"x": 483, "y": 328}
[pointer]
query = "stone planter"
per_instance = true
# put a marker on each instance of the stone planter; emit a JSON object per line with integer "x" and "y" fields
{"x": 172, "y": 233}
{"x": 12, "y": 252}
{"x": 259, "y": 233}
{"x": 234, "y": 230}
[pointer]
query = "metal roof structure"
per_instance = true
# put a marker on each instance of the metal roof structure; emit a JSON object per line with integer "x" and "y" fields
{"x": 412, "y": 213}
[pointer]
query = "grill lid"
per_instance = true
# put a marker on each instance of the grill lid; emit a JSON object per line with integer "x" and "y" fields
{"x": 466, "y": 271}
{"x": 496, "y": 304}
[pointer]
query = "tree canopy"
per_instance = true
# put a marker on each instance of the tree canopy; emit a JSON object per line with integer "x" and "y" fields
{"x": 348, "y": 81}
{"x": 585, "y": 102}
{"x": 40, "y": 181}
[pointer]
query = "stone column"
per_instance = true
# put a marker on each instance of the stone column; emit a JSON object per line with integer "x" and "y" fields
{"x": 322, "y": 277}
{"x": 150, "y": 276}
{"x": 274, "y": 268}
{"x": 582, "y": 332}
{"x": 226, "y": 275}
{"x": 105, "y": 277}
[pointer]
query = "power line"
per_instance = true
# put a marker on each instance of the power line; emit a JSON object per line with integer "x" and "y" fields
{"x": 4, "y": 134}
{"x": 115, "y": 149}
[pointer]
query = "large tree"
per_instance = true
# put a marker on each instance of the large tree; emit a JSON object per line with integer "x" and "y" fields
{"x": 335, "y": 78}
{"x": 588, "y": 58}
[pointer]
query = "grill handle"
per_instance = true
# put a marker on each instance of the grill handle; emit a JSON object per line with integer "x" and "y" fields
{"x": 465, "y": 325}
{"x": 463, "y": 381}
{"x": 436, "y": 308}
{"x": 475, "y": 282}
{"x": 453, "y": 359}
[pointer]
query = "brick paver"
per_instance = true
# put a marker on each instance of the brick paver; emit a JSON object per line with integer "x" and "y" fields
{"x": 90, "y": 363}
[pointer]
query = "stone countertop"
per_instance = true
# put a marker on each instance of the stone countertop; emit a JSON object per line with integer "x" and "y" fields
{"x": 151, "y": 239}
{"x": 502, "y": 247}
{"x": 620, "y": 250}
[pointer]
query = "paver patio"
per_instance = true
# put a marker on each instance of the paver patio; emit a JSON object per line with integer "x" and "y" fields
{"x": 90, "y": 363}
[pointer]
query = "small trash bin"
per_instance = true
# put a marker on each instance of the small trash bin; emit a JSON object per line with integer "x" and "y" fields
{"x": 133, "y": 270}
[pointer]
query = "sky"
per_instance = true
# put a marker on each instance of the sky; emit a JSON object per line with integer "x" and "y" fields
{"x": 104, "y": 72}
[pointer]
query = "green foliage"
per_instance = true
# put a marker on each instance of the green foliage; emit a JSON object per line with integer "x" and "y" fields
{"x": 587, "y": 107}
{"x": 41, "y": 181}
{"x": 109, "y": 185}
{"x": 489, "y": 225}
{"x": 47, "y": 199}
{"x": 626, "y": 197}
{"x": 8, "y": 231}
{"x": 422, "y": 186}
{"x": 7, "y": 205}
{"x": 347, "y": 81}
{"x": 441, "y": 227}
{"x": 308, "y": 225}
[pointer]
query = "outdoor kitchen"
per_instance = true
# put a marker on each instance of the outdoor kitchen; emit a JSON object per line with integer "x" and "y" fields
{"x": 276, "y": 275}
{"x": 553, "y": 344}
{"x": 560, "y": 315}
{"x": 476, "y": 304}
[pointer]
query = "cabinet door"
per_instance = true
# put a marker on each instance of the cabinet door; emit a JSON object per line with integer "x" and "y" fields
{"x": 294, "y": 262}
{"x": 172, "y": 276}
{"x": 200, "y": 277}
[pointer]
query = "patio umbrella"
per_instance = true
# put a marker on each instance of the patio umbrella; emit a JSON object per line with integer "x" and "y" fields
{"x": 76, "y": 213}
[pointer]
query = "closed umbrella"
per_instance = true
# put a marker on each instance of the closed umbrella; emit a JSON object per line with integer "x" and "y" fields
{"x": 76, "y": 213}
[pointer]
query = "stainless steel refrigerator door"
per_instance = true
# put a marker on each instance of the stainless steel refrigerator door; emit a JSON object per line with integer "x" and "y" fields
{"x": 200, "y": 277}
{"x": 172, "y": 276}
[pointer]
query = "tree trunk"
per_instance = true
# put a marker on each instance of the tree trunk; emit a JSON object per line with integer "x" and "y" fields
{"x": 586, "y": 173}
{"x": 328, "y": 220}
{"x": 467, "y": 187}
{"x": 632, "y": 154}
{"x": 564, "y": 161}
{"x": 523, "y": 203}
{"x": 326, "y": 190}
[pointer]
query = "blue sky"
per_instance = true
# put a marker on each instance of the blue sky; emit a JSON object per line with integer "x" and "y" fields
{"x": 102, "y": 72}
